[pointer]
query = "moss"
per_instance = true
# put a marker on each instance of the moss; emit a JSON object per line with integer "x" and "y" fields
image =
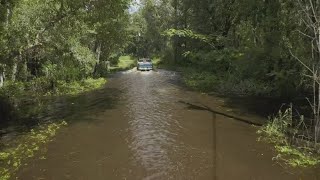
{"x": 15, "y": 154}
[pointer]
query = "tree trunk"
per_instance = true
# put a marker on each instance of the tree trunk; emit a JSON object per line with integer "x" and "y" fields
{"x": 1, "y": 79}
{"x": 175, "y": 39}
{"x": 9, "y": 14}
{"x": 98, "y": 51}
{"x": 14, "y": 70}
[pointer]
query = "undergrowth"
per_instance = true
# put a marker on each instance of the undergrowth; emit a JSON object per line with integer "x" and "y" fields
{"x": 227, "y": 84}
{"x": 289, "y": 140}
{"x": 78, "y": 87}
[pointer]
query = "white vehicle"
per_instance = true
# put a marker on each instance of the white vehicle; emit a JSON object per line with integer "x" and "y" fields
{"x": 144, "y": 64}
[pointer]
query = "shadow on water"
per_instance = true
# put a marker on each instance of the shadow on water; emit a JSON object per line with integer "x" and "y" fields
{"x": 69, "y": 108}
{"x": 214, "y": 112}
{"x": 267, "y": 106}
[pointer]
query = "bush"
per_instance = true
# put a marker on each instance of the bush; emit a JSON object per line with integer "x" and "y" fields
{"x": 77, "y": 87}
{"x": 229, "y": 84}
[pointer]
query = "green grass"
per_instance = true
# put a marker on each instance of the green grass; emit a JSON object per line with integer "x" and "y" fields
{"x": 296, "y": 157}
{"x": 128, "y": 62}
{"x": 14, "y": 154}
{"x": 125, "y": 62}
{"x": 78, "y": 87}
{"x": 207, "y": 82}
{"x": 156, "y": 61}
{"x": 276, "y": 132}
{"x": 42, "y": 87}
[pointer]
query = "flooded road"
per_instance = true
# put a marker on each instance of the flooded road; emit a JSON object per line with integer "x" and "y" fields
{"x": 144, "y": 126}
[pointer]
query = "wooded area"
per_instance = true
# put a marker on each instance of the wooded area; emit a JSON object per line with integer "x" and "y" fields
{"x": 268, "y": 48}
{"x": 56, "y": 47}
{"x": 59, "y": 39}
{"x": 247, "y": 47}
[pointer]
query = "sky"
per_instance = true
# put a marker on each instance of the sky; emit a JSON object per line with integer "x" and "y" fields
{"x": 135, "y": 6}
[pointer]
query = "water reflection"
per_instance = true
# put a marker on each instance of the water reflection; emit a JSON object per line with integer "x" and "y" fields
{"x": 155, "y": 130}
{"x": 150, "y": 123}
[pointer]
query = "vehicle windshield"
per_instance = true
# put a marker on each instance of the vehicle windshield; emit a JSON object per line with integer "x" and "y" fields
{"x": 144, "y": 60}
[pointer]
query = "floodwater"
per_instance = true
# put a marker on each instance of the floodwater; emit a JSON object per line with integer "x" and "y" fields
{"x": 145, "y": 126}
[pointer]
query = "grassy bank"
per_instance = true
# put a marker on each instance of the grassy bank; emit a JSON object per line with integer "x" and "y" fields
{"x": 225, "y": 84}
{"x": 20, "y": 102}
{"x": 43, "y": 87}
{"x": 129, "y": 62}
{"x": 290, "y": 140}
{"x": 124, "y": 63}
{"x": 78, "y": 87}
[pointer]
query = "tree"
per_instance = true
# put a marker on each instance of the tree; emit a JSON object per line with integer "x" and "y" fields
{"x": 59, "y": 39}
{"x": 310, "y": 19}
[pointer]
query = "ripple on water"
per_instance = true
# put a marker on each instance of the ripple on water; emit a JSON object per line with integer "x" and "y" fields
{"x": 150, "y": 109}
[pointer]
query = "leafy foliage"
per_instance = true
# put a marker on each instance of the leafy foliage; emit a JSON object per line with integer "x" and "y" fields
{"x": 40, "y": 38}
{"x": 57, "y": 46}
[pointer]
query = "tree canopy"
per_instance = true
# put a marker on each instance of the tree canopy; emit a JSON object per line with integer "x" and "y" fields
{"x": 59, "y": 39}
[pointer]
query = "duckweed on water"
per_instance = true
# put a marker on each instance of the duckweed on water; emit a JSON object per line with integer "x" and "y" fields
{"x": 12, "y": 156}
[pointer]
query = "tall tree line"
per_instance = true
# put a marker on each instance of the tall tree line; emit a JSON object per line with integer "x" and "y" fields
{"x": 247, "y": 47}
{"x": 238, "y": 40}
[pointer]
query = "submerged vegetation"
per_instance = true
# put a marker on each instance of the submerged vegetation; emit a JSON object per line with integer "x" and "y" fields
{"x": 15, "y": 153}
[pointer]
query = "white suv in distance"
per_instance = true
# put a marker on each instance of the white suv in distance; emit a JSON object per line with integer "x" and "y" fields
{"x": 144, "y": 64}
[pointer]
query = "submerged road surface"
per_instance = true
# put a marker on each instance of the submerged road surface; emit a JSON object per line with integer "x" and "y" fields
{"x": 144, "y": 126}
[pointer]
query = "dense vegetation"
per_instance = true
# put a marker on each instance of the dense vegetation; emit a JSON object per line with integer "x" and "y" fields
{"x": 244, "y": 47}
{"x": 57, "y": 46}
{"x": 51, "y": 48}
{"x": 59, "y": 39}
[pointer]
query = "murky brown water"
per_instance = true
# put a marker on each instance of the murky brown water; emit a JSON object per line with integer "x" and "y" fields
{"x": 153, "y": 130}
